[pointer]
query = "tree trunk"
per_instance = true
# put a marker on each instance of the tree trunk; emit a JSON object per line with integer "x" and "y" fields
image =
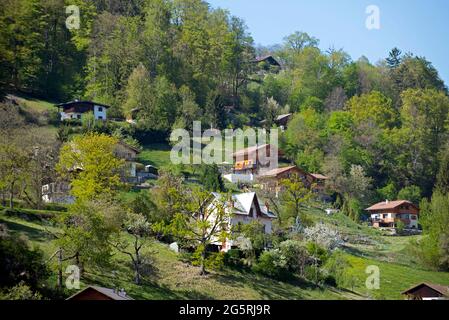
{"x": 137, "y": 262}
{"x": 79, "y": 263}
{"x": 11, "y": 196}
{"x": 137, "y": 273}
{"x": 60, "y": 268}
{"x": 203, "y": 259}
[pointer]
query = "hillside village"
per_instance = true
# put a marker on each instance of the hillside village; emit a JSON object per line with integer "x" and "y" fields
{"x": 87, "y": 180}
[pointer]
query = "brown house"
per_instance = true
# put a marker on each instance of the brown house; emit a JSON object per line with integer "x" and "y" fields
{"x": 271, "y": 180}
{"x": 388, "y": 213}
{"x": 100, "y": 293}
{"x": 318, "y": 181}
{"x": 248, "y": 160}
{"x": 427, "y": 291}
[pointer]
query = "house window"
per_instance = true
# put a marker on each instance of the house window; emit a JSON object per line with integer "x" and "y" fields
{"x": 78, "y": 116}
{"x": 100, "y": 117}
{"x": 413, "y": 217}
{"x": 100, "y": 109}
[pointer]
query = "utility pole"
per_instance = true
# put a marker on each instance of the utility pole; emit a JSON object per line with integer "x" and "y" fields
{"x": 60, "y": 268}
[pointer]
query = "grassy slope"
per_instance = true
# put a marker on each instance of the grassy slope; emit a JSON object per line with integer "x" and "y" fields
{"x": 365, "y": 246}
{"x": 174, "y": 279}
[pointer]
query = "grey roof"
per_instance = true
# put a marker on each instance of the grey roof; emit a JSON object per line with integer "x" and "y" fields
{"x": 243, "y": 202}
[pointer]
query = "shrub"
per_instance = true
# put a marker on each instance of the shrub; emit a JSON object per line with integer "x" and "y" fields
{"x": 317, "y": 253}
{"x": 338, "y": 267}
{"x": 20, "y": 292}
{"x": 400, "y": 226}
{"x": 295, "y": 254}
{"x": 314, "y": 274}
{"x": 233, "y": 258}
{"x": 20, "y": 263}
{"x": 215, "y": 260}
{"x": 271, "y": 264}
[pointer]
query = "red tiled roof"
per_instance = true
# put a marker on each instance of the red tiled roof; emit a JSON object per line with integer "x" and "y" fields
{"x": 389, "y": 205}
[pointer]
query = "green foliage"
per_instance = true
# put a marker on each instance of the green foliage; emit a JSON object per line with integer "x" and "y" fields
{"x": 198, "y": 224}
{"x": 400, "y": 226}
{"x": 410, "y": 193}
{"x": 339, "y": 267}
{"x": 19, "y": 264}
{"x": 20, "y": 292}
{"x": 373, "y": 107}
{"x": 87, "y": 229}
{"x": 92, "y": 155}
{"x": 388, "y": 192}
{"x": 210, "y": 178}
{"x": 352, "y": 208}
{"x": 271, "y": 264}
{"x": 294, "y": 195}
{"x": 434, "y": 248}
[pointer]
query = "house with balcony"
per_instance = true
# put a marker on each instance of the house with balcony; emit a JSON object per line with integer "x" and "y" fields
{"x": 75, "y": 109}
{"x": 387, "y": 214}
{"x": 256, "y": 159}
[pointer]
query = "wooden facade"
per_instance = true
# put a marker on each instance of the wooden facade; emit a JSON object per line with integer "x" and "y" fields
{"x": 388, "y": 213}
{"x": 427, "y": 291}
{"x": 100, "y": 293}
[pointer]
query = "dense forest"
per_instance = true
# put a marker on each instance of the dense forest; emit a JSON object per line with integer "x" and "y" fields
{"x": 172, "y": 62}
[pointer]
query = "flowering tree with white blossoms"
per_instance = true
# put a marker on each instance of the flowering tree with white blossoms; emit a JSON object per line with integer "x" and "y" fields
{"x": 323, "y": 235}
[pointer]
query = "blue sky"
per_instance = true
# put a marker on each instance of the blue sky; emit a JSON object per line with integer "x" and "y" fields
{"x": 418, "y": 26}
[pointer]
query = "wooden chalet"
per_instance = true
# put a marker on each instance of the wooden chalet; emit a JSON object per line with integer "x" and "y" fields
{"x": 387, "y": 214}
{"x": 254, "y": 159}
{"x": 75, "y": 109}
{"x": 100, "y": 293}
{"x": 427, "y": 291}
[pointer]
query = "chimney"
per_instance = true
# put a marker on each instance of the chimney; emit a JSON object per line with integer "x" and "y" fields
{"x": 267, "y": 205}
{"x": 386, "y": 201}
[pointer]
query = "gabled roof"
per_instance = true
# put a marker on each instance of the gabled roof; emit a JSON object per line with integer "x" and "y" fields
{"x": 443, "y": 290}
{"x": 242, "y": 203}
{"x": 110, "y": 293}
{"x": 249, "y": 150}
{"x": 389, "y": 205}
{"x": 319, "y": 176}
{"x": 268, "y": 58}
{"x": 127, "y": 145}
{"x": 277, "y": 171}
{"x": 74, "y": 102}
{"x": 282, "y": 116}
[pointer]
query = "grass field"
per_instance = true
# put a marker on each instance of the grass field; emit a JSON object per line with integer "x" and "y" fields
{"x": 174, "y": 279}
